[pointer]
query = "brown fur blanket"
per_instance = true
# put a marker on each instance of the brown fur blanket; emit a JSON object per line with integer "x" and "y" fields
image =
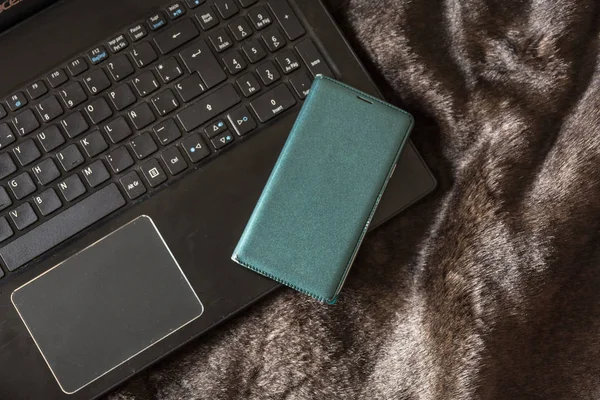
{"x": 488, "y": 289}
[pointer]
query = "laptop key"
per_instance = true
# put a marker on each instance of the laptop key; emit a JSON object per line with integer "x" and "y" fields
{"x": 208, "y": 107}
{"x": 220, "y": 40}
{"x": 166, "y": 132}
{"x": 57, "y": 78}
{"x": 21, "y": 185}
{"x": 46, "y": 171}
{"x": 133, "y": 185}
{"x": 175, "y": 10}
{"x": 117, "y": 43}
{"x": 190, "y": 87}
{"x": 73, "y": 94}
{"x": 288, "y": 62}
{"x": 71, "y": 188}
{"x": 206, "y": 18}
{"x": 240, "y": 28}
{"x": 176, "y": 36}
{"x": 173, "y": 160}
{"x": 23, "y": 216}
{"x": 143, "y": 145}
{"x": 137, "y": 32}
{"x": 165, "y": 102}
{"x": 16, "y": 101}
{"x": 50, "y": 138}
{"x": 98, "y": 110}
{"x": 169, "y": 70}
{"x": 26, "y": 152}
{"x": 156, "y": 21}
{"x": 199, "y": 58}
{"x": 5, "y": 232}
{"x": 6, "y": 135}
{"x": 77, "y": 66}
{"x": 70, "y": 157}
{"x": 47, "y": 202}
{"x": 153, "y": 172}
{"x": 120, "y": 68}
{"x": 195, "y": 148}
{"x": 273, "y": 103}
{"x": 74, "y": 125}
{"x": 287, "y": 19}
{"x": 122, "y": 97}
{"x": 97, "y": 54}
{"x": 144, "y": 54}
{"x": 97, "y": 81}
{"x": 61, "y": 227}
{"x": 25, "y": 122}
{"x": 141, "y": 116}
{"x": 259, "y": 17}
{"x": 215, "y": 128}
{"x": 301, "y": 84}
{"x": 95, "y": 173}
{"x": 254, "y": 51}
{"x": 234, "y": 62}
{"x": 119, "y": 159}
{"x": 313, "y": 58}
{"x": 49, "y": 108}
{"x": 268, "y": 73}
{"x": 5, "y": 200}
{"x": 7, "y": 165}
{"x": 118, "y": 129}
{"x": 146, "y": 83}
{"x": 36, "y": 90}
{"x": 242, "y": 121}
{"x": 93, "y": 144}
{"x": 226, "y": 8}
{"x": 222, "y": 140}
{"x": 273, "y": 39}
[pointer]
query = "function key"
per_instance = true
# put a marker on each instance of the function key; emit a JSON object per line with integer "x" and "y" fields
{"x": 117, "y": 44}
{"x": 259, "y": 17}
{"x": 206, "y": 18}
{"x": 36, "y": 90}
{"x": 175, "y": 10}
{"x": 156, "y": 21}
{"x": 98, "y": 54}
{"x": 16, "y": 101}
{"x": 194, "y": 3}
{"x": 77, "y": 66}
{"x": 2, "y": 111}
{"x": 287, "y": 19}
{"x": 57, "y": 78}
{"x": 137, "y": 32}
{"x": 247, "y": 3}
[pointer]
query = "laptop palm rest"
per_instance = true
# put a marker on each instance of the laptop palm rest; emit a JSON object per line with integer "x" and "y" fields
{"x": 106, "y": 304}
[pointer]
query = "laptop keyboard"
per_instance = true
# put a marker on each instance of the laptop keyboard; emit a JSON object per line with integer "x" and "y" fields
{"x": 117, "y": 123}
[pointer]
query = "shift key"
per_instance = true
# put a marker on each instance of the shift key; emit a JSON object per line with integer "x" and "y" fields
{"x": 273, "y": 103}
{"x": 208, "y": 107}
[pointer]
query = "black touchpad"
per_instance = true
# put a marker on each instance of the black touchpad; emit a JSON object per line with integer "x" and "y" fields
{"x": 106, "y": 304}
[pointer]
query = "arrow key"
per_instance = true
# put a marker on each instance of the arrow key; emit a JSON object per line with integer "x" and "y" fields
{"x": 215, "y": 128}
{"x": 222, "y": 140}
{"x": 242, "y": 121}
{"x": 195, "y": 148}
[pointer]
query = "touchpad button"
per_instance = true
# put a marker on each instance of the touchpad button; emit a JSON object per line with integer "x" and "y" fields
{"x": 106, "y": 304}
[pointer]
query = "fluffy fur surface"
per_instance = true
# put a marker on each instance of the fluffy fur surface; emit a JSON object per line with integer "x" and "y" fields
{"x": 490, "y": 288}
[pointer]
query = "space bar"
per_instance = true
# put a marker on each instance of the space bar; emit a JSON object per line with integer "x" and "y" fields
{"x": 61, "y": 227}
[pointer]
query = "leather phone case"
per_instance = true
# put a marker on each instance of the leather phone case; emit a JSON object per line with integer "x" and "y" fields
{"x": 324, "y": 189}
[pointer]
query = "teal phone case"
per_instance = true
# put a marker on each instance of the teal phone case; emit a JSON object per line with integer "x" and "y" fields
{"x": 319, "y": 200}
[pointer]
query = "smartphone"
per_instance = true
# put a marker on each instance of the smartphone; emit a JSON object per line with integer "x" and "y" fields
{"x": 324, "y": 189}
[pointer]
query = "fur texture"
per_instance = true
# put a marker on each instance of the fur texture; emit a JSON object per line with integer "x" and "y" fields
{"x": 489, "y": 289}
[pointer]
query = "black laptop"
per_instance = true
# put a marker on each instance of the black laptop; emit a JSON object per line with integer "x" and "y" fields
{"x": 135, "y": 139}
